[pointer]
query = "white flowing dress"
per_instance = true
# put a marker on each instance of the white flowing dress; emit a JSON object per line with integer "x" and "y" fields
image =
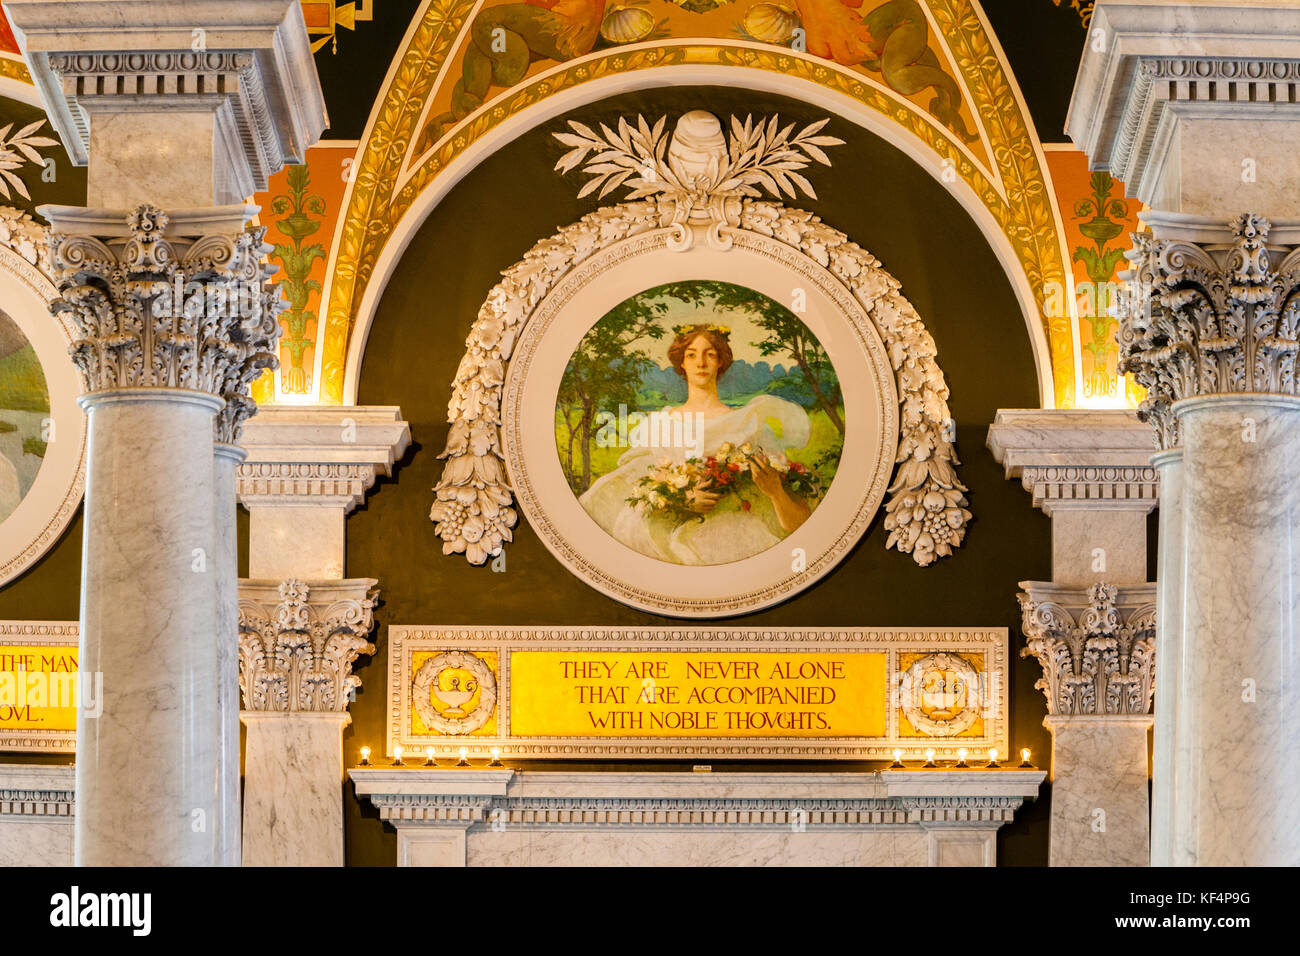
{"x": 729, "y": 532}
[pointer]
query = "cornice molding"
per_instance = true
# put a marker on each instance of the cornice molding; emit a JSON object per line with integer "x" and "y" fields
{"x": 327, "y": 456}
{"x": 248, "y": 61}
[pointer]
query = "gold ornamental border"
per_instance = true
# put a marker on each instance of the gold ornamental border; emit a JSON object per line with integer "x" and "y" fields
{"x": 1026, "y": 213}
{"x": 14, "y": 68}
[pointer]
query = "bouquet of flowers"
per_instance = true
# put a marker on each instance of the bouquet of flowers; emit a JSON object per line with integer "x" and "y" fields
{"x": 670, "y": 488}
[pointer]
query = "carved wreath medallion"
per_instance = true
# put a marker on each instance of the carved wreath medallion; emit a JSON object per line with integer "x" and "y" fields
{"x": 458, "y": 692}
{"x": 940, "y": 694}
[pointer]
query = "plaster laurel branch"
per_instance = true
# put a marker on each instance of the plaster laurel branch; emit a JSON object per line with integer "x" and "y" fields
{"x": 696, "y": 160}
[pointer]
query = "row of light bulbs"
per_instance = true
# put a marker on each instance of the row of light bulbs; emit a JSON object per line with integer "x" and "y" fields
{"x": 962, "y": 754}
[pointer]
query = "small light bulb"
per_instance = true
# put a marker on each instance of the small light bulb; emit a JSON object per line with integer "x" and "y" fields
{"x": 365, "y": 756}
{"x": 1024, "y": 758}
{"x": 898, "y": 758}
{"x": 993, "y": 756}
{"x": 429, "y": 761}
{"x": 464, "y": 757}
{"x": 496, "y": 757}
{"x": 961, "y": 756}
{"x": 397, "y": 755}
{"x": 929, "y": 757}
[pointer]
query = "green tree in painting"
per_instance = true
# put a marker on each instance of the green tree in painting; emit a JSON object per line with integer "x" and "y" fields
{"x": 297, "y": 260}
{"x": 603, "y": 373}
{"x": 787, "y": 337}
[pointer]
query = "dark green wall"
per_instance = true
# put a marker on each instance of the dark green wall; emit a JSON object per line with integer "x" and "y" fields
{"x": 885, "y": 203}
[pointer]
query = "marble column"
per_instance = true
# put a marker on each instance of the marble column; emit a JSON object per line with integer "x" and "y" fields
{"x": 1208, "y": 330}
{"x": 156, "y": 366}
{"x": 1169, "y": 591}
{"x": 1097, "y": 651}
{"x": 297, "y": 645}
{"x": 227, "y": 459}
{"x": 174, "y": 322}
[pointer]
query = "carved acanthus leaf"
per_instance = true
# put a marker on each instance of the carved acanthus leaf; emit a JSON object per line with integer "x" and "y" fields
{"x": 1198, "y": 320}
{"x": 1098, "y": 660}
{"x": 297, "y": 655}
{"x": 157, "y": 312}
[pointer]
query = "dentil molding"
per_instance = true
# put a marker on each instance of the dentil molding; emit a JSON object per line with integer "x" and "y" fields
{"x": 247, "y": 61}
{"x": 298, "y": 641}
{"x": 327, "y": 456}
{"x": 1086, "y": 459}
{"x": 1097, "y": 647}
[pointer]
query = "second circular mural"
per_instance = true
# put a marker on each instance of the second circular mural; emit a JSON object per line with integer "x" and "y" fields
{"x": 699, "y": 422}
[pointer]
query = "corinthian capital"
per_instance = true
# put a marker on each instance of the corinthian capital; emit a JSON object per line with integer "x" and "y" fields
{"x": 1096, "y": 647}
{"x": 164, "y": 305}
{"x": 297, "y": 642}
{"x": 1205, "y": 318}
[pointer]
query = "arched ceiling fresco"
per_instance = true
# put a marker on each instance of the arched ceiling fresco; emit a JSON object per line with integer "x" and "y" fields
{"x": 932, "y": 69}
{"x": 442, "y": 81}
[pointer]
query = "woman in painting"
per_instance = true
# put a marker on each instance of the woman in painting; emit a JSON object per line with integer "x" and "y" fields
{"x": 723, "y": 493}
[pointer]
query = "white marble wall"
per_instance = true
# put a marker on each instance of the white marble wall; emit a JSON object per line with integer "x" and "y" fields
{"x": 36, "y": 804}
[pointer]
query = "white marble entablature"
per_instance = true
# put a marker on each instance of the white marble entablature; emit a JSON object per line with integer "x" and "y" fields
{"x": 326, "y": 455}
{"x": 1149, "y": 68}
{"x": 901, "y": 817}
{"x": 1091, "y": 459}
{"x": 248, "y": 61}
{"x": 37, "y": 808}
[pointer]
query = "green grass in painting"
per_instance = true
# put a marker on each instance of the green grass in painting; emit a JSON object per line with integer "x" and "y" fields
{"x": 34, "y": 446}
{"x": 7, "y": 427}
{"x": 22, "y": 383}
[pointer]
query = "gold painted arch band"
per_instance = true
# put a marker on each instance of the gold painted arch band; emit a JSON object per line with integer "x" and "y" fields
{"x": 1017, "y": 196}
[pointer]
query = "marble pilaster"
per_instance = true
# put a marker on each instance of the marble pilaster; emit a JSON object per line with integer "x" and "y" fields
{"x": 1097, "y": 651}
{"x": 226, "y": 571}
{"x": 1169, "y": 592}
{"x": 297, "y": 645}
{"x": 307, "y": 468}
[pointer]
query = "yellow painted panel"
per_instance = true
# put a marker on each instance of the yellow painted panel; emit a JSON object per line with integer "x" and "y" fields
{"x": 38, "y": 687}
{"x": 697, "y": 694}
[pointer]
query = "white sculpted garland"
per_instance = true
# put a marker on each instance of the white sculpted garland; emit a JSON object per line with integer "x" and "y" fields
{"x": 699, "y": 185}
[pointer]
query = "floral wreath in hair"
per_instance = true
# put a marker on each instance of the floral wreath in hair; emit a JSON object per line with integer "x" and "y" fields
{"x": 723, "y": 330}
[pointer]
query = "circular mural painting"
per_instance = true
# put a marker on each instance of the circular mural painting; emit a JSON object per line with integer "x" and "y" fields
{"x": 24, "y": 416}
{"x": 699, "y": 422}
